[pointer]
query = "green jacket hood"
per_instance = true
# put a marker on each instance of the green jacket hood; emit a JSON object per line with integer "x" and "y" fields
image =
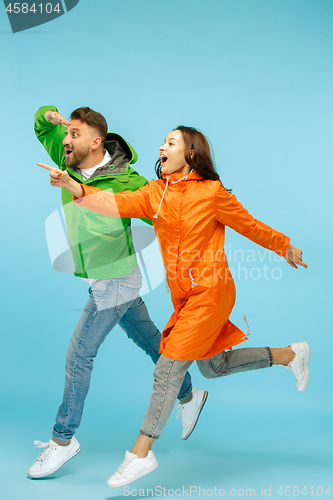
{"x": 122, "y": 155}
{"x": 121, "y": 144}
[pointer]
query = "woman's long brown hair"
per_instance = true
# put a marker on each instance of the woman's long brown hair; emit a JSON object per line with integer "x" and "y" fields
{"x": 202, "y": 162}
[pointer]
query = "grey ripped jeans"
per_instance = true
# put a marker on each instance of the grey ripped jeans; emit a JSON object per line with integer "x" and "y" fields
{"x": 169, "y": 375}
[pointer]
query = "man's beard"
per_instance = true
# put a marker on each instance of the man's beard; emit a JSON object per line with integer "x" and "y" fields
{"x": 76, "y": 158}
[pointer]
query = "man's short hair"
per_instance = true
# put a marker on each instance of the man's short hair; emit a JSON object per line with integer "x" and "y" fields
{"x": 93, "y": 119}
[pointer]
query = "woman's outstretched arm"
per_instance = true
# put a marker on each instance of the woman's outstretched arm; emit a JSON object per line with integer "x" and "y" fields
{"x": 232, "y": 213}
{"x": 131, "y": 204}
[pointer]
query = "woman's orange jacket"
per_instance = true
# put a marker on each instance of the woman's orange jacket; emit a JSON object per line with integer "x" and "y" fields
{"x": 189, "y": 216}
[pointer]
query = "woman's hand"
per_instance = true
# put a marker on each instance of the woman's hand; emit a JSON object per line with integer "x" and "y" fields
{"x": 61, "y": 179}
{"x": 294, "y": 257}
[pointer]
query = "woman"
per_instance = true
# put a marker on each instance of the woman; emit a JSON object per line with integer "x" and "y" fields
{"x": 190, "y": 208}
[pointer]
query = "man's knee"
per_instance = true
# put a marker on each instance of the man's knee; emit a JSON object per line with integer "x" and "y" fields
{"x": 70, "y": 354}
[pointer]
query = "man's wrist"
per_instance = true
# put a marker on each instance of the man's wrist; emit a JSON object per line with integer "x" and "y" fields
{"x": 47, "y": 114}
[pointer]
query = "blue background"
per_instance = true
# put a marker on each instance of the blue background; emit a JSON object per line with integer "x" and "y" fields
{"x": 256, "y": 76}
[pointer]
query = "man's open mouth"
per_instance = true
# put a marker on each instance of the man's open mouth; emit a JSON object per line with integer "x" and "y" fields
{"x": 68, "y": 152}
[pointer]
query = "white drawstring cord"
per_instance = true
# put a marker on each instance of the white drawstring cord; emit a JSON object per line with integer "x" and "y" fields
{"x": 166, "y": 187}
{"x": 248, "y": 328}
{"x": 159, "y": 208}
{"x": 182, "y": 179}
{"x": 192, "y": 279}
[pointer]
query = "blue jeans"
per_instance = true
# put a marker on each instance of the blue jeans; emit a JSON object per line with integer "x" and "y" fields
{"x": 111, "y": 302}
{"x": 169, "y": 375}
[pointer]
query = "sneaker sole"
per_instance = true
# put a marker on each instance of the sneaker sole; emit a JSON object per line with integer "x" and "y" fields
{"x": 306, "y": 370}
{"x": 40, "y": 476}
{"x": 204, "y": 399}
{"x": 123, "y": 483}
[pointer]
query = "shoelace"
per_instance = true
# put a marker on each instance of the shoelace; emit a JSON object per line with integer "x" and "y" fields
{"x": 41, "y": 445}
{"x": 290, "y": 366}
{"x": 46, "y": 452}
{"x": 178, "y": 414}
{"x": 122, "y": 467}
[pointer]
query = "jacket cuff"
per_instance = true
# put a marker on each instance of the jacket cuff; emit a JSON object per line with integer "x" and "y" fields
{"x": 284, "y": 249}
{"x": 87, "y": 190}
{"x": 78, "y": 201}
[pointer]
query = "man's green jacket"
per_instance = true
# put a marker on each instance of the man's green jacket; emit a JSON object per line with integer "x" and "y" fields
{"x": 102, "y": 247}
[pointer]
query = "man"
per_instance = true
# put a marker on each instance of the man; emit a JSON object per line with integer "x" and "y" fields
{"x": 104, "y": 255}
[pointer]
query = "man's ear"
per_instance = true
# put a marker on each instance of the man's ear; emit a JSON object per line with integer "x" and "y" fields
{"x": 96, "y": 142}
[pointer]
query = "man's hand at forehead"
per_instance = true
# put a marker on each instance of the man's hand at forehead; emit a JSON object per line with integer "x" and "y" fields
{"x": 56, "y": 118}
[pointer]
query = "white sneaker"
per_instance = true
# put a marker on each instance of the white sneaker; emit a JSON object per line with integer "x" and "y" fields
{"x": 132, "y": 468}
{"x": 190, "y": 411}
{"x": 299, "y": 365}
{"x": 52, "y": 457}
